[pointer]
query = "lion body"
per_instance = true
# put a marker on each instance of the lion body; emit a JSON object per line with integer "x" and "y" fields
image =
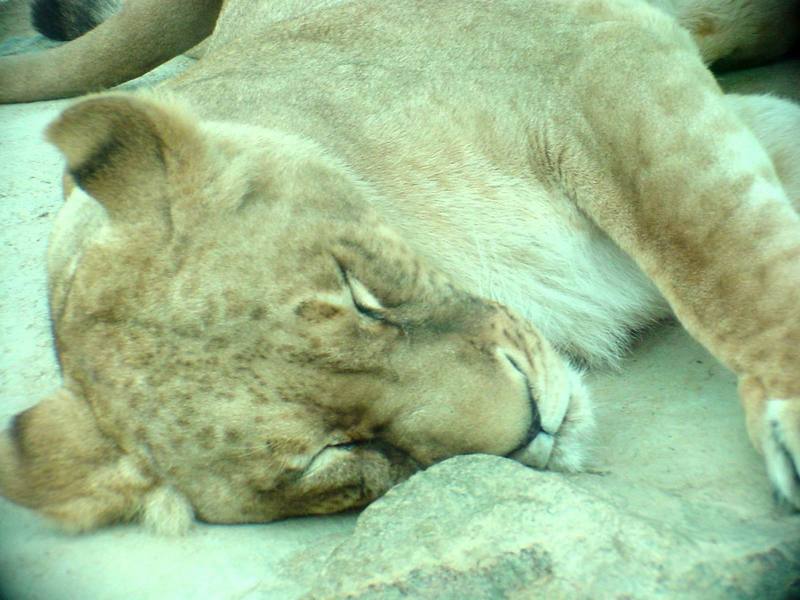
{"x": 373, "y": 237}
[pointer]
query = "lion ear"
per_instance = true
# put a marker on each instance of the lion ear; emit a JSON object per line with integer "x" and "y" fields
{"x": 122, "y": 149}
{"x": 55, "y": 459}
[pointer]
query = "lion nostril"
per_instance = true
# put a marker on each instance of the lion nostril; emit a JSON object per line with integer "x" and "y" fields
{"x": 536, "y": 424}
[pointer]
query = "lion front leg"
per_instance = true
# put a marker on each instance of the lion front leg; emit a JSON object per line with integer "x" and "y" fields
{"x": 674, "y": 176}
{"x": 774, "y": 424}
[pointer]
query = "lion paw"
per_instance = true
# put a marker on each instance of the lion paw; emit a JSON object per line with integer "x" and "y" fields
{"x": 781, "y": 447}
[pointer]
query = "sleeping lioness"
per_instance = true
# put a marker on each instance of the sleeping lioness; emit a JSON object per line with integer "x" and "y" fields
{"x": 357, "y": 238}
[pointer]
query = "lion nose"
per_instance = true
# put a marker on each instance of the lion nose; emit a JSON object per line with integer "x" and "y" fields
{"x": 537, "y": 446}
{"x": 546, "y": 419}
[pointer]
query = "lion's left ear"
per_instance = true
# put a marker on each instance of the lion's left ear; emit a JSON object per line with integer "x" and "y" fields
{"x": 121, "y": 149}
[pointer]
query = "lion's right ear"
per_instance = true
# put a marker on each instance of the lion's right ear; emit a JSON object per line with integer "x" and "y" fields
{"x": 55, "y": 459}
{"x": 123, "y": 150}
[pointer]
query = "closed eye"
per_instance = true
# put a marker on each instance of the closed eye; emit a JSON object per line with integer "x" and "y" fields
{"x": 368, "y": 312}
{"x": 364, "y": 301}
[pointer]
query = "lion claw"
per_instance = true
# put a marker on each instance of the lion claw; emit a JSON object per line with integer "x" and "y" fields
{"x": 781, "y": 446}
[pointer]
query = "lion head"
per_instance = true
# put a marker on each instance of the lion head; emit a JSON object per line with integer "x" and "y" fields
{"x": 243, "y": 338}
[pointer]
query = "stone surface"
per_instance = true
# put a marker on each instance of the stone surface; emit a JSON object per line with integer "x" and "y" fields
{"x": 486, "y": 527}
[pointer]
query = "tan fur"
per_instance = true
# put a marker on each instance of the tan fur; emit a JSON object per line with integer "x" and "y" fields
{"x": 307, "y": 267}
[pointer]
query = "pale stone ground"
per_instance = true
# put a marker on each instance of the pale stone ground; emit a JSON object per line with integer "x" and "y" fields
{"x": 672, "y": 442}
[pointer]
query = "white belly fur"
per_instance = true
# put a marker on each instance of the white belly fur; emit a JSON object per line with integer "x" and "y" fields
{"x": 533, "y": 251}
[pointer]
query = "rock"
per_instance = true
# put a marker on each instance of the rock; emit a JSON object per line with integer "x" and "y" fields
{"x": 487, "y": 527}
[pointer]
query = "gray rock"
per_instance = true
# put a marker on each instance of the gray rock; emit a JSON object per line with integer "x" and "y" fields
{"x": 486, "y": 527}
